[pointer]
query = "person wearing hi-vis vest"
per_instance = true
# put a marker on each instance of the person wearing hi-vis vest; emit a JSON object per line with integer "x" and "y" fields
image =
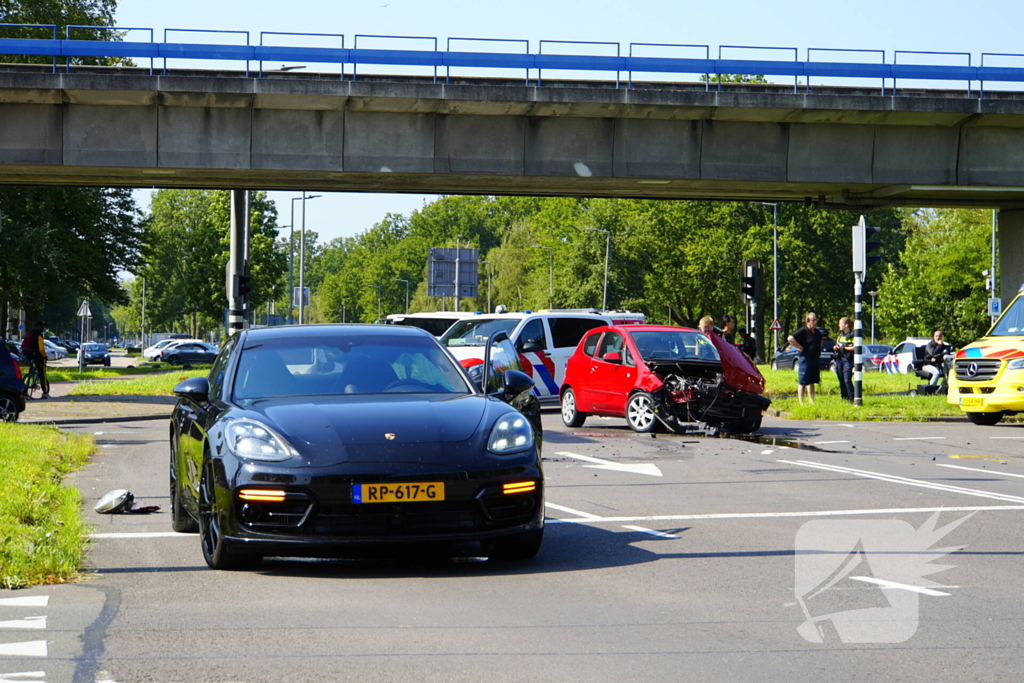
{"x": 844, "y": 358}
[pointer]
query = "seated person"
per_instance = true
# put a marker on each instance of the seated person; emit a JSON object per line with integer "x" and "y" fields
{"x": 934, "y": 357}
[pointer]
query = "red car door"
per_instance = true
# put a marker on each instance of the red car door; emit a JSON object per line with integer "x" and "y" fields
{"x": 611, "y": 378}
{"x": 579, "y": 371}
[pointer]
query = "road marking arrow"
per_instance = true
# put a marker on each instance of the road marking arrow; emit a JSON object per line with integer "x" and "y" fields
{"x": 599, "y": 464}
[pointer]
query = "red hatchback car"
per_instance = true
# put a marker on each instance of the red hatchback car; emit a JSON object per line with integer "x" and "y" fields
{"x": 657, "y": 374}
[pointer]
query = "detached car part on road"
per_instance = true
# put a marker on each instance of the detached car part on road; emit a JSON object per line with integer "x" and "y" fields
{"x": 321, "y": 440}
{"x": 987, "y": 380}
{"x": 660, "y": 375}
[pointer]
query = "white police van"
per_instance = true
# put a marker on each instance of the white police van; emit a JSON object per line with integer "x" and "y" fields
{"x": 544, "y": 340}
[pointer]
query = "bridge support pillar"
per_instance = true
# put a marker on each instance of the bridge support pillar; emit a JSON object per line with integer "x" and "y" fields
{"x": 1011, "y": 254}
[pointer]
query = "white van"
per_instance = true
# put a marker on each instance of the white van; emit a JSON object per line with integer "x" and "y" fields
{"x": 544, "y": 342}
{"x": 435, "y": 323}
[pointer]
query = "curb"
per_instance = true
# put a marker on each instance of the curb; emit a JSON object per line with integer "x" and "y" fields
{"x": 96, "y": 420}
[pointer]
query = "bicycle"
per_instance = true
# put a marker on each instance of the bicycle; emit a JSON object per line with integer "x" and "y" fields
{"x": 32, "y": 388}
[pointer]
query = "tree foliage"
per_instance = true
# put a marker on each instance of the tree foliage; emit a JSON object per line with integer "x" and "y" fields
{"x": 60, "y": 241}
{"x": 936, "y": 282}
{"x": 188, "y": 239}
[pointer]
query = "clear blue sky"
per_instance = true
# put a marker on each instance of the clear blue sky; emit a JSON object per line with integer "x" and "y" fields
{"x": 937, "y": 25}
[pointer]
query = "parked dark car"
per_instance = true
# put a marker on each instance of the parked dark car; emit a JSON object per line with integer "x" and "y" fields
{"x": 786, "y": 359}
{"x": 330, "y": 439}
{"x": 655, "y": 375}
{"x": 15, "y": 351}
{"x": 12, "y": 387}
{"x": 189, "y": 353}
{"x": 93, "y": 353}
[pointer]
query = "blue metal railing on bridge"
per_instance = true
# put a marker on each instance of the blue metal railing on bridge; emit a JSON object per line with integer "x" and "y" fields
{"x": 711, "y": 70}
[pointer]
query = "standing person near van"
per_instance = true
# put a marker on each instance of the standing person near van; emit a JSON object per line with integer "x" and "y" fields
{"x": 36, "y": 349}
{"x": 807, "y": 341}
{"x": 728, "y": 332}
{"x": 844, "y": 358}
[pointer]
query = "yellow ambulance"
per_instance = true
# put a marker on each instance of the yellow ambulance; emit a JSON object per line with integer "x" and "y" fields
{"x": 987, "y": 380}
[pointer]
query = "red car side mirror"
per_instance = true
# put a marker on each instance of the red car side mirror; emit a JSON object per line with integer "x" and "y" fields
{"x": 612, "y": 357}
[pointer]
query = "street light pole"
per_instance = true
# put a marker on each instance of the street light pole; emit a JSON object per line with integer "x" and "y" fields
{"x": 551, "y": 274}
{"x": 377, "y": 287}
{"x": 406, "y": 292}
{"x": 302, "y": 258}
{"x": 775, "y": 271}
{"x": 488, "y": 285}
{"x": 607, "y": 252}
{"x": 872, "y": 295}
{"x": 291, "y": 265}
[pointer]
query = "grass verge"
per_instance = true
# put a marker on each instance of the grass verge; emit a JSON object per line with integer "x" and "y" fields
{"x": 42, "y": 533}
{"x": 55, "y": 374}
{"x": 909, "y": 408}
{"x": 154, "y": 385}
{"x": 779, "y": 383}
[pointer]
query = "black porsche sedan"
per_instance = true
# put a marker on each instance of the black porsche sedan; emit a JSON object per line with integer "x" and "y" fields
{"x": 316, "y": 440}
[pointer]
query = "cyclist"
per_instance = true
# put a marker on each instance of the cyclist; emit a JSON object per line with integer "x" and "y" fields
{"x": 37, "y": 355}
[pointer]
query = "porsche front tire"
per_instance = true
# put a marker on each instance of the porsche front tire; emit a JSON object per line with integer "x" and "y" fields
{"x": 215, "y": 550}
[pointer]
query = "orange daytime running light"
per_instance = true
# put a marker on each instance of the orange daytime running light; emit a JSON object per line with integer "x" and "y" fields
{"x": 519, "y": 487}
{"x": 262, "y": 495}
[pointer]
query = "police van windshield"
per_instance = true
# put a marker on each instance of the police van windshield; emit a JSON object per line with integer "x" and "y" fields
{"x": 1011, "y": 323}
{"x": 476, "y": 331}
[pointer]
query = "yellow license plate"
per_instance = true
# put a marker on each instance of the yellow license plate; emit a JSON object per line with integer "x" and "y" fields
{"x": 972, "y": 401}
{"x": 405, "y": 492}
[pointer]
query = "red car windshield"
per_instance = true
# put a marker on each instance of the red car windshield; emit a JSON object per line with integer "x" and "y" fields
{"x": 675, "y": 345}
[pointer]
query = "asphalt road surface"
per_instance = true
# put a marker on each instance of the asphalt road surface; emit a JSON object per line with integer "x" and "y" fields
{"x": 670, "y": 558}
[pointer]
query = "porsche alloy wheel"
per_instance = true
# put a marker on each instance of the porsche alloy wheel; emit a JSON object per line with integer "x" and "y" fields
{"x": 571, "y": 416}
{"x": 215, "y": 550}
{"x": 181, "y": 521}
{"x": 640, "y": 413}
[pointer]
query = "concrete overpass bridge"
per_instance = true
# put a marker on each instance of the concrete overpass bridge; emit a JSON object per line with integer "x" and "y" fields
{"x": 830, "y": 146}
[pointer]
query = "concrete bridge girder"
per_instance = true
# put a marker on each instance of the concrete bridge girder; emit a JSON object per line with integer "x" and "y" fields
{"x": 833, "y": 148}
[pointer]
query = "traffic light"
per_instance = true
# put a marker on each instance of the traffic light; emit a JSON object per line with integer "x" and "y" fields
{"x": 244, "y": 284}
{"x": 750, "y": 280}
{"x": 863, "y": 246}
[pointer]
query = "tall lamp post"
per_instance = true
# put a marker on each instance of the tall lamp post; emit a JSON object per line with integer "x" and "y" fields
{"x": 872, "y": 295}
{"x": 397, "y": 279}
{"x": 775, "y": 272}
{"x": 377, "y": 287}
{"x": 302, "y": 257}
{"x": 607, "y": 252}
{"x": 551, "y": 274}
{"x": 488, "y": 263}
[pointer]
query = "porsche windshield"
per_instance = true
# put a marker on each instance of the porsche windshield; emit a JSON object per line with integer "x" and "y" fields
{"x": 476, "y": 331}
{"x": 1011, "y": 324}
{"x": 675, "y": 345}
{"x": 359, "y": 364}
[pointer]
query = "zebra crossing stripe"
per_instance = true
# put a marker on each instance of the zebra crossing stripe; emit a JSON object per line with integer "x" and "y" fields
{"x": 29, "y": 648}
{"x": 33, "y": 601}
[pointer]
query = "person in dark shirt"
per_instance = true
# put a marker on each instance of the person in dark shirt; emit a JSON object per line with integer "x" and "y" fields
{"x": 934, "y": 356}
{"x": 807, "y": 341}
{"x": 728, "y": 332}
{"x": 844, "y": 358}
{"x": 747, "y": 343}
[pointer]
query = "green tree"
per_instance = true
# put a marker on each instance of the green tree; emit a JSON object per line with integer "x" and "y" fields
{"x": 936, "y": 283}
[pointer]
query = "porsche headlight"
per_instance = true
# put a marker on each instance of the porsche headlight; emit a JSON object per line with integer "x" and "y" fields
{"x": 254, "y": 440}
{"x": 512, "y": 433}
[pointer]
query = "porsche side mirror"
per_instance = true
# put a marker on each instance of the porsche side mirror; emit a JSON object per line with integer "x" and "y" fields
{"x": 612, "y": 357}
{"x": 196, "y": 388}
{"x": 531, "y": 347}
{"x": 515, "y": 382}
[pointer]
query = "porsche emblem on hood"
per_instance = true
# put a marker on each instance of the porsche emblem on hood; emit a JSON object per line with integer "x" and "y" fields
{"x": 390, "y": 436}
